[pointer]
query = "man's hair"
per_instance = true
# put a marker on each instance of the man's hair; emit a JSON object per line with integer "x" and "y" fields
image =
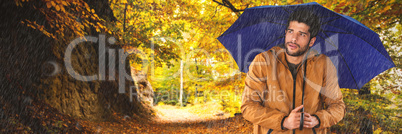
{"x": 304, "y": 15}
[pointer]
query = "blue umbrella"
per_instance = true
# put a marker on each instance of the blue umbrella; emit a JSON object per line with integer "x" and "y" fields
{"x": 355, "y": 50}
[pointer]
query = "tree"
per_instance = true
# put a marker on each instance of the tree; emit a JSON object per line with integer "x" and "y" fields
{"x": 64, "y": 17}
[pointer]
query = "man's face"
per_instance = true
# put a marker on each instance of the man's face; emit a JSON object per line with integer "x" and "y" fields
{"x": 297, "y": 39}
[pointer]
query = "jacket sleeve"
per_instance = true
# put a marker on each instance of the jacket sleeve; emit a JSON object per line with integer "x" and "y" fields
{"x": 252, "y": 101}
{"x": 332, "y": 97}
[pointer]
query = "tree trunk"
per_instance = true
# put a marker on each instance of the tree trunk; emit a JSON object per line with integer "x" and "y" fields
{"x": 34, "y": 76}
{"x": 366, "y": 125}
{"x": 181, "y": 83}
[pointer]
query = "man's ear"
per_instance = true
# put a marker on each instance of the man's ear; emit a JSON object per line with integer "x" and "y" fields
{"x": 312, "y": 40}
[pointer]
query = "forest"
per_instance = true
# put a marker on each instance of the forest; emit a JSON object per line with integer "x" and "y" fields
{"x": 127, "y": 66}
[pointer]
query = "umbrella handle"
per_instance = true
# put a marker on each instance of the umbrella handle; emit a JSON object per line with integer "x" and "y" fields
{"x": 301, "y": 121}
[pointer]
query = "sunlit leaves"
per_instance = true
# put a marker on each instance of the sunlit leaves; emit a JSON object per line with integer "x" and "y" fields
{"x": 66, "y": 17}
{"x": 372, "y": 13}
{"x": 147, "y": 26}
{"x": 374, "y": 107}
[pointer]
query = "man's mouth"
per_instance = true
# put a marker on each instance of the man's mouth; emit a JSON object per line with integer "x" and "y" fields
{"x": 292, "y": 46}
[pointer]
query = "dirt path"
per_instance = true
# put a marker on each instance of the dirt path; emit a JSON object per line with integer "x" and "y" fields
{"x": 205, "y": 118}
{"x": 167, "y": 113}
{"x": 174, "y": 114}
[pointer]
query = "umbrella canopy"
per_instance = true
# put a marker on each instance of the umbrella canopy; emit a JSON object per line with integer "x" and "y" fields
{"x": 356, "y": 51}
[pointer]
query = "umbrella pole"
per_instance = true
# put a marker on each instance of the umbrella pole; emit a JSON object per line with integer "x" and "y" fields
{"x": 304, "y": 84}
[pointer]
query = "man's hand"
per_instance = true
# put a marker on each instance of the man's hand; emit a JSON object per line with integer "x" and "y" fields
{"x": 293, "y": 120}
{"x": 309, "y": 121}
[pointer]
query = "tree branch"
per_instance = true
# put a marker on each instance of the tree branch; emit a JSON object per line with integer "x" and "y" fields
{"x": 229, "y": 5}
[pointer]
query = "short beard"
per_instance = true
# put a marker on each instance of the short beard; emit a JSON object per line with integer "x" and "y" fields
{"x": 298, "y": 53}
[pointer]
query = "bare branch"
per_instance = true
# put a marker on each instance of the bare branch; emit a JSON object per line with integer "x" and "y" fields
{"x": 226, "y": 3}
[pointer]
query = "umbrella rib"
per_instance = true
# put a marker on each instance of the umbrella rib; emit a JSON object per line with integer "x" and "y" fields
{"x": 337, "y": 32}
{"x": 238, "y": 28}
{"x": 364, "y": 41}
{"x": 329, "y": 16}
{"x": 348, "y": 68}
{"x": 328, "y": 41}
{"x": 280, "y": 37}
{"x": 285, "y": 10}
{"x": 343, "y": 58}
{"x": 276, "y": 23}
{"x": 325, "y": 23}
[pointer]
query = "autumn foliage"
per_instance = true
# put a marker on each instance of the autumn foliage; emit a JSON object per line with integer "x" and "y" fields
{"x": 165, "y": 32}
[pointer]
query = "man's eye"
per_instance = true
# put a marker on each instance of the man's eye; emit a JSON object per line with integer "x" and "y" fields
{"x": 290, "y": 31}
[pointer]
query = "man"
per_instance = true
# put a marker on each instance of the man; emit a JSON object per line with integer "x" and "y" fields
{"x": 275, "y": 91}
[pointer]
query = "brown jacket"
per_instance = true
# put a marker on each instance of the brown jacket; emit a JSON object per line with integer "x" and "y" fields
{"x": 268, "y": 93}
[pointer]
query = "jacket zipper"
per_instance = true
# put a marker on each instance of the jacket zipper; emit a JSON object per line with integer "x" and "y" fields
{"x": 294, "y": 86}
{"x": 294, "y": 82}
{"x": 294, "y": 91}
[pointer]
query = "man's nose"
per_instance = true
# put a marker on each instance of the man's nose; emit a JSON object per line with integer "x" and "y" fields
{"x": 293, "y": 38}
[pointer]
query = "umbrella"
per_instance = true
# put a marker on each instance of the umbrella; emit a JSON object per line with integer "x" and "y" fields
{"x": 354, "y": 49}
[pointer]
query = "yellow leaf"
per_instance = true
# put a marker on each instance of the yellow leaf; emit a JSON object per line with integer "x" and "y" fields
{"x": 19, "y": 3}
{"x": 62, "y": 9}
{"x": 53, "y": 4}
{"x": 64, "y": 3}
{"x": 57, "y": 7}
{"x": 48, "y": 5}
{"x": 385, "y": 9}
{"x": 86, "y": 6}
